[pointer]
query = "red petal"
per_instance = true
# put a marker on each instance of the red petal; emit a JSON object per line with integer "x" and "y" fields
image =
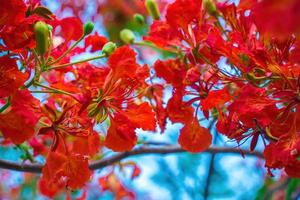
{"x": 142, "y": 116}
{"x": 194, "y": 138}
{"x": 253, "y": 103}
{"x": 121, "y": 134}
{"x": 12, "y": 12}
{"x": 71, "y": 28}
{"x": 183, "y": 12}
{"x": 89, "y": 145}
{"x": 171, "y": 70}
{"x": 77, "y": 171}
{"x": 278, "y": 18}
{"x": 95, "y": 41}
{"x": 162, "y": 34}
{"x": 177, "y": 112}
{"x": 10, "y": 77}
{"x": 19, "y": 123}
{"x": 215, "y": 98}
{"x": 18, "y": 38}
{"x": 123, "y": 62}
{"x": 71, "y": 170}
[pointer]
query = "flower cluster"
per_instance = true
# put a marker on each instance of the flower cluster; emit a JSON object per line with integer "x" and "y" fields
{"x": 236, "y": 64}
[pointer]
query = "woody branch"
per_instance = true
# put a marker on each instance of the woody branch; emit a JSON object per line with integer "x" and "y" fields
{"x": 37, "y": 168}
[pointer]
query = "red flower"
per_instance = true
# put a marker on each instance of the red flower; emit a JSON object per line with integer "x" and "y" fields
{"x": 71, "y": 121}
{"x": 12, "y": 12}
{"x": 182, "y": 12}
{"x": 163, "y": 35}
{"x": 95, "y": 41}
{"x": 182, "y": 28}
{"x": 277, "y": 18}
{"x": 50, "y": 189}
{"x": 121, "y": 134}
{"x": 10, "y": 77}
{"x": 194, "y": 138}
{"x": 285, "y": 152}
{"x": 18, "y": 124}
{"x": 177, "y": 111}
{"x": 123, "y": 63}
{"x": 141, "y": 116}
{"x": 89, "y": 145}
{"x": 253, "y": 103}
{"x": 215, "y": 98}
{"x": 173, "y": 71}
{"x": 155, "y": 94}
{"x": 115, "y": 101}
{"x": 21, "y": 36}
{"x": 111, "y": 183}
{"x": 71, "y": 28}
{"x": 63, "y": 169}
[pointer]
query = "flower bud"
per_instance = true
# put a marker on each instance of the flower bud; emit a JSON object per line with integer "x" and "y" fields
{"x": 50, "y": 28}
{"x": 152, "y": 8}
{"x": 42, "y": 34}
{"x": 139, "y": 18}
{"x": 109, "y": 48}
{"x": 210, "y": 7}
{"x": 88, "y": 28}
{"x": 127, "y": 36}
{"x": 98, "y": 112}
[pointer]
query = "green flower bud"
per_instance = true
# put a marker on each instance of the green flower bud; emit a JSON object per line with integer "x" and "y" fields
{"x": 139, "y": 18}
{"x": 88, "y": 28}
{"x": 42, "y": 34}
{"x": 127, "y": 36}
{"x": 109, "y": 48}
{"x": 98, "y": 112}
{"x": 210, "y": 7}
{"x": 50, "y": 27}
{"x": 152, "y": 8}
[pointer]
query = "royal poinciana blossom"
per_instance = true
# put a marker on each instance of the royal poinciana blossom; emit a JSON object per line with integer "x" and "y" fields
{"x": 236, "y": 64}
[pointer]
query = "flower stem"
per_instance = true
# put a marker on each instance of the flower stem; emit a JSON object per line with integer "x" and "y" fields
{"x": 42, "y": 91}
{"x": 151, "y": 45}
{"x": 6, "y": 105}
{"x": 54, "y": 89}
{"x": 76, "y": 62}
{"x": 68, "y": 51}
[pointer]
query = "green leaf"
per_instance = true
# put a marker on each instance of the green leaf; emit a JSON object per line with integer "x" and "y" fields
{"x": 292, "y": 186}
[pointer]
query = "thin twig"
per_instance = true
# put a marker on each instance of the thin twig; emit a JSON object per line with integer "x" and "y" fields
{"x": 76, "y": 62}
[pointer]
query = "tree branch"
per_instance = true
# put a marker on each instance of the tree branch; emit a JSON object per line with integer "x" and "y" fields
{"x": 37, "y": 168}
{"x": 211, "y": 167}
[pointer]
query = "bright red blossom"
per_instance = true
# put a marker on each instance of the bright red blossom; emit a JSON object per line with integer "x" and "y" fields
{"x": 182, "y": 12}
{"x": 284, "y": 15}
{"x": 18, "y": 123}
{"x": 250, "y": 50}
{"x": 215, "y": 98}
{"x": 62, "y": 168}
{"x": 194, "y": 138}
{"x": 96, "y": 42}
{"x": 12, "y": 12}
{"x": 286, "y": 151}
{"x": 10, "y": 77}
{"x": 123, "y": 63}
{"x": 71, "y": 28}
{"x": 121, "y": 134}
